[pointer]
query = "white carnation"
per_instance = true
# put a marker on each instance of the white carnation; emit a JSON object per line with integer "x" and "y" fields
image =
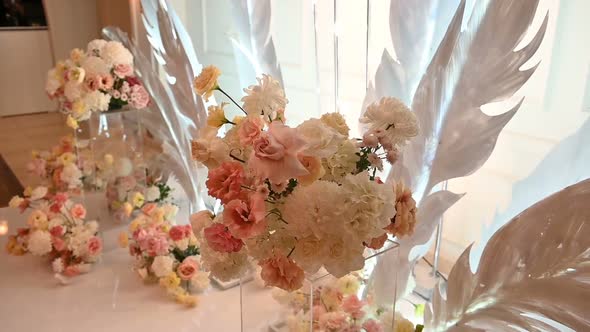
{"x": 71, "y": 175}
{"x": 97, "y": 101}
{"x": 162, "y": 266}
{"x": 95, "y": 46}
{"x": 392, "y": 120}
{"x": 321, "y": 140}
{"x": 265, "y": 99}
{"x": 114, "y": 53}
{"x": 368, "y": 207}
{"x": 39, "y": 243}
{"x": 93, "y": 65}
{"x": 73, "y": 91}
{"x": 152, "y": 193}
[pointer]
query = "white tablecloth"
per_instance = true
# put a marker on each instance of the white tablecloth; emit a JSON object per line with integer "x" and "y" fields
{"x": 111, "y": 297}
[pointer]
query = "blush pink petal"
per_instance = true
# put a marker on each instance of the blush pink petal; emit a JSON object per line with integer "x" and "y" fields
{"x": 245, "y": 219}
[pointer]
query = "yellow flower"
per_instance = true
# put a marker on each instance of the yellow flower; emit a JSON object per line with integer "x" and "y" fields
{"x": 123, "y": 240}
{"x": 67, "y": 158}
{"x": 170, "y": 282}
{"x": 189, "y": 300}
{"x": 216, "y": 117}
{"x": 27, "y": 192}
{"x": 238, "y": 119}
{"x": 71, "y": 122}
{"x": 76, "y": 55}
{"x": 78, "y": 108}
{"x": 206, "y": 82}
{"x": 134, "y": 225}
{"x": 137, "y": 199}
{"x": 13, "y": 247}
{"x": 127, "y": 208}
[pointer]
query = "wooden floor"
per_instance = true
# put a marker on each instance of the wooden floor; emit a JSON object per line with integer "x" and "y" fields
{"x": 19, "y": 135}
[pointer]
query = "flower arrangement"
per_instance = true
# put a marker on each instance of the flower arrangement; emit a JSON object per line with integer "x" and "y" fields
{"x": 337, "y": 307}
{"x": 56, "y": 229}
{"x": 96, "y": 80}
{"x": 166, "y": 253}
{"x": 297, "y": 199}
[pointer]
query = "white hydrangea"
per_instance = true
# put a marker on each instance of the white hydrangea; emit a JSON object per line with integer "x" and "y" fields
{"x": 321, "y": 140}
{"x": 93, "y": 65}
{"x": 39, "y": 243}
{"x": 95, "y": 46}
{"x": 162, "y": 266}
{"x": 73, "y": 91}
{"x": 392, "y": 120}
{"x": 97, "y": 101}
{"x": 71, "y": 175}
{"x": 265, "y": 99}
{"x": 114, "y": 53}
{"x": 368, "y": 207}
{"x": 341, "y": 163}
{"x": 152, "y": 193}
{"x": 343, "y": 256}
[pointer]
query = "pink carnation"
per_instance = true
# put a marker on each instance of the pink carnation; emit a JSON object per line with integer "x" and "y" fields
{"x": 220, "y": 239}
{"x": 177, "y": 233}
{"x": 56, "y": 231}
{"x": 94, "y": 246}
{"x": 245, "y": 219}
{"x": 371, "y": 325}
{"x": 250, "y": 129}
{"x": 152, "y": 241}
{"x": 225, "y": 182}
{"x": 78, "y": 211}
{"x": 139, "y": 97}
{"x": 275, "y": 154}
{"x": 281, "y": 271}
{"x": 333, "y": 321}
{"x": 187, "y": 269}
{"x": 58, "y": 243}
{"x": 123, "y": 70}
{"x": 353, "y": 306}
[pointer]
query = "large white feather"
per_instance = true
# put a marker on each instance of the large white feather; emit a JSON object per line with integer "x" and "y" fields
{"x": 534, "y": 273}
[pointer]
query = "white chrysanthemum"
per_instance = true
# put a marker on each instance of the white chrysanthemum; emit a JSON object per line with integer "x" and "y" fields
{"x": 265, "y": 99}
{"x": 224, "y": 266}
{"x": 321, "y": 140}
{"x": 57, "y": 265}
{"x": 114, "y": 53}
{"x": 313, "y": 210}
{"x": 162, "y": 266}
{"x": 71, "y": 175}
{"x": 97, "y": 101}
{"x": 39, "y": 243}
{"x": 152, "y": 193}
{"x": 368, "y": 207}
{"x": 95, "y": 47}
{"x": 53, "y": 83}
{"x": 392, "y": 120}
{"x": 73, "y": 91}
{"x": 341, "y": 163}
{"x": 93, "y": 65}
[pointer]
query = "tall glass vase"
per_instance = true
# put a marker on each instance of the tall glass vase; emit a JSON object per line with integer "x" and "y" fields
{"x": 275, "y": 310}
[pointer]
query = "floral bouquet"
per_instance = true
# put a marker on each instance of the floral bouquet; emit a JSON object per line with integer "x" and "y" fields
{"x": 166, "y": 253}
{"x": 297, "y": 199}
{"x": 337, "y": 307}
{"x": 96, "y": 80}
{"x": 57, "y": 230}
{"x": 59, "y": 166}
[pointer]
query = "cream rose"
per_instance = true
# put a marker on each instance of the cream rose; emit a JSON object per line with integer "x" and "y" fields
{"x": 322, "y": 141}
{"x": 206, "y": 82}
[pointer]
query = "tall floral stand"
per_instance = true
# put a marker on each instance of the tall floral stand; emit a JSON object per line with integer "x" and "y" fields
{"x": 280, "y": 311}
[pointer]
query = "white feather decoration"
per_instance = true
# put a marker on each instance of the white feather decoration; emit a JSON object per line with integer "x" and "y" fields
{"x": 252, "y": 20}
{"x": 469, "y": 69}
{"x": 534, "y": 273}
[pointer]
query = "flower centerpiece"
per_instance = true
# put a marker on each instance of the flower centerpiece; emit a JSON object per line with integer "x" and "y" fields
{"x": 98, "y": 79}
{"x": 166, "y": 253}
{"x": 57, "y": 229}
{"x": 298, "y": 199}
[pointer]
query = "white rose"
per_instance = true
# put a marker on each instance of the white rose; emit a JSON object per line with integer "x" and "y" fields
{"x": 322, "y": 141}
{"x": 152, "y": 193}
{"x": 114, "y": 53}
{"x": 162, "y": 266}
{"x": 38, "y": 193}
{"x": 39, "y": 243}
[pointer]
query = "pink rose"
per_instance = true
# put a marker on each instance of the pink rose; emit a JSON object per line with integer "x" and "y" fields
{"x": 220, "y": 239}
{"x": 152, "y": 240}
{"x": 353, "y": 306}
{"x": 58, "y": 243}
{"x": 106, "y": 82}
{"x": 139, "y": 97}
{"x": 37, "y": 167}
{"x": 333, "y": 321}
{"x": 371, "y": 325}
{"x": 187, "y": 269}
{"x": 245, "y": 219}
{"x": 56, "y": 231}
{"x": 281, "y": 271}
{"x": 275, "y": 154}
{"x": 250, "y": 129}
{"x": 177, "y": 233}
{"x": 225, "y": 182}
{"x": 149, "y": 208}
{"x": 123, "y": 70}
{"x": 200, "y": 220}
{"x": 78, "y": 211}
{"x": 94, "y": 246}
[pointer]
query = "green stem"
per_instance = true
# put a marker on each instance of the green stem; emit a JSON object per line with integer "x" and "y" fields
{"x": 230, "y": 98}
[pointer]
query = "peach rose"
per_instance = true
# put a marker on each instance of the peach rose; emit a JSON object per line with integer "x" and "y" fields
{"x": 314, "y": 166}
{"x": 206, "y": 82}
{"x": 281, "y": 271}
{"x": 78, "y": 211}
{"x": 245, "y": 219}
{"x": 187, "y": 268}
{"x": 250, "y": 129}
